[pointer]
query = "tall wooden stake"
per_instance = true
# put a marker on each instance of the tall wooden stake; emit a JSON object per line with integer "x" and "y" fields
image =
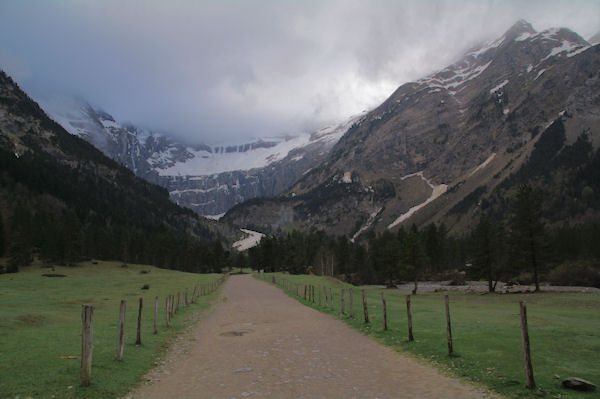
{"x": 331, "y": 298}
{"x": 365, "y": 310}
{"x": 384, "y": 311}
{"x": 87, "y": 338}
{"x": 156, "y": 315}
{"x": 409, "y": 318}
{"x": 168, "y": 309}
{"x": 526, "y": 349}
{"x": 343, "y": 307}
{"x": 448, "y": 326}
{"x": 138, "y": 340}
{"x": 121, "y": 330}
{"x": 351, "y": 304}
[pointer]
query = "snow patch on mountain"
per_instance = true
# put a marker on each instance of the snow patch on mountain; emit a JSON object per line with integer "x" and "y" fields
{"x": 483, "y": 164}
{"x": 436, "y": 191}
{"x": 456, "y": 75}
{"x": 251, "y": 240}
{"x": 207, "y": 163}
{"x": 501, "y": 85}
{"x": 367, "y": 225}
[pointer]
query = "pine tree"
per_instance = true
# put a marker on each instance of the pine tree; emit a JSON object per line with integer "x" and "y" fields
{"x": 413, "y": 258}
{"x": 1, "y": 237}
{"x": 487, "y": 250}
{"x": 527, "y": 233}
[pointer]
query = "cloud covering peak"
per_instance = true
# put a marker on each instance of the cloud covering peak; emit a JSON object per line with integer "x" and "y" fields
{"x": 233, "y": 69}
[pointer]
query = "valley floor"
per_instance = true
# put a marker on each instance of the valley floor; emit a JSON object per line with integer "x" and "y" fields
{"x": 261, "y": 343}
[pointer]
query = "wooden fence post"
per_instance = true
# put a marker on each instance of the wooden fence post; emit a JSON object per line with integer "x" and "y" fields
{"x": 156, "y": 315}
{"x": 365, "y": 310}
{"x": 87, "y": 338}
{"x": 138, "y": 340}
{"x": 343, "y": 307}
{"x": 351, "y": 304}
{"x": 305, "y": 289}
{"x": 331, "y": 298}
{"x": 186, "y": 298}
{"x": 409, "y": 319}
{"x": 448, "y": 326}
{"x": 384, "y": 312}
{"x": 312, "y": 291}
{"x": 168, "y": 309}
{"x": 526, "y": 349}
{"x": 177, "y": 307}
{"x": 121, "y": 330}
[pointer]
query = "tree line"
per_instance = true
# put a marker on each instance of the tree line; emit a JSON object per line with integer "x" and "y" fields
{"x": 522, "y": 250}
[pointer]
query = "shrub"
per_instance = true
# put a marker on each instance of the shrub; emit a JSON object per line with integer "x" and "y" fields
{"x": 577, "y": 273}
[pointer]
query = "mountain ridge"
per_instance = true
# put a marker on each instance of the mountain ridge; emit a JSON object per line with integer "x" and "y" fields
{"x": 64, "y": 199}
{"x": 447, "y": 129}
{"x": 207, "y": 179}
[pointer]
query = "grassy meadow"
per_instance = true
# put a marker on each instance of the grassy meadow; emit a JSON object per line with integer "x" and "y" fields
{"x": 40, "y": 326}
{"x": 564, "y": 331}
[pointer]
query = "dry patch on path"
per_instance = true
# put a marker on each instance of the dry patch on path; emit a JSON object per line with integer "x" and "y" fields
{"x": 260, "y": 343}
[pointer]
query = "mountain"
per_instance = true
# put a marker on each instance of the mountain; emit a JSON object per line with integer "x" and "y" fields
{"x": 594, "y": 39}
{"x": 447, "y": 140}
{"x": 62, "y": 198}
{"x": 207, "y": 179}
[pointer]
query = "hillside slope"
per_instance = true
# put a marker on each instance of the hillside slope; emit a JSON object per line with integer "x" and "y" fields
{"x": 62, "y": 198}
{"x": 435, "y": 141}
{"x": 207, "y": 179}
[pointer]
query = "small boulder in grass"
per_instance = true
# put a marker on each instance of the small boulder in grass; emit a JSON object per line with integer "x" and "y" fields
{"x": 578, "y": 384}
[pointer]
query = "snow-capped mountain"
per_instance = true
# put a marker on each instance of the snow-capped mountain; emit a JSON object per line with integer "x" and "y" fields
{"x": 434, "y": 142}
{"x": 207, "y": 179}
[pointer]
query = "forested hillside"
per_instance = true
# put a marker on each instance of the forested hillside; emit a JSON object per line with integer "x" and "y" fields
{"x": 62, "y": 199}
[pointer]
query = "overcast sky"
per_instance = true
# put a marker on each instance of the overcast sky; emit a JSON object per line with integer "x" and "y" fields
{"x": 226, "y": 70}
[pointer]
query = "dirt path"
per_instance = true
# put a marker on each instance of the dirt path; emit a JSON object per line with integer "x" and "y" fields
{"x": 260, "y": 343}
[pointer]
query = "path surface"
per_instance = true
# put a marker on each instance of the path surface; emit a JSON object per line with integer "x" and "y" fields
{"x": 260, "y": 343}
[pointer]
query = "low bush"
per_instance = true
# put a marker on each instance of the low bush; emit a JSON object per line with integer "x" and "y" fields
{"x": 577, "y": 273}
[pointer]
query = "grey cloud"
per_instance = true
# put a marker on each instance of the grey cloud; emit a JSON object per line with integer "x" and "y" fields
{"x": 233, "y": 69}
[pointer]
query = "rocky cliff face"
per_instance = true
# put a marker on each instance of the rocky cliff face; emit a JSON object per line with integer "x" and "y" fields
{"x": 207, "y": 179}
{"x": 434, "y": 141}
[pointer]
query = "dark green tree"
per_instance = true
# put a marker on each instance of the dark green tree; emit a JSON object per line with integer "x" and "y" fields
{"x": 413, "y": 258}
{"x": 219, "y": 256}
{"x": 527, "y": 234}
{"x": 1, "y": 236}
{"x": 385, "y": 256}
{"x": 488, "y": 251}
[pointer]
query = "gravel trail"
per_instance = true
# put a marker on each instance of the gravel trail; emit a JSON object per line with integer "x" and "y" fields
{"x": 260, "y": 343}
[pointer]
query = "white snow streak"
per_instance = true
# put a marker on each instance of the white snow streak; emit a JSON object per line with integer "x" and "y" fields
{"x": 435, "y": 193}
{"x": 483, "y": 164}
{"x": 540, "y": 73}
{"x": 501, "y": 85}
{"x": 215, "y": 217}
{"x": 250, "y": 241}
{"x": 364, "y": 227}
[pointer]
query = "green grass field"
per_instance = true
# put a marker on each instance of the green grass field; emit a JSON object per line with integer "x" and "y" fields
{"x": 564, "y": 330}
{"x": 40, "y": 321}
